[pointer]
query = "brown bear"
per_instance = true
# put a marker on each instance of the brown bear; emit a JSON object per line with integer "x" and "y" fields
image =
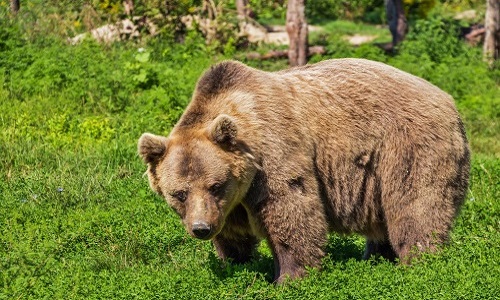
{"x": 344, "y": 145}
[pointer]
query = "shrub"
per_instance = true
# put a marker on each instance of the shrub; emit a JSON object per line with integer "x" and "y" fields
{"x": 436, "y": 37}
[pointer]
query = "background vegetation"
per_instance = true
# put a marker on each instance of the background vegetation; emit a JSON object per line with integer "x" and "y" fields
{"x": 77, "y": 218}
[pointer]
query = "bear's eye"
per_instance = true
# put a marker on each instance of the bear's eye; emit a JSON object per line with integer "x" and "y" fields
{"x": 180, "y": 196}
{"x": 216, "y": 189}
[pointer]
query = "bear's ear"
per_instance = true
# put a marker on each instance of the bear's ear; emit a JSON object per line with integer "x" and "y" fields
{"x": 151, "y": 147}
{"x": 223, "y": 131}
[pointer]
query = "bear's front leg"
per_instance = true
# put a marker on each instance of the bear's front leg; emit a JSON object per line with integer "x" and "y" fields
{"x": 238, "y": 248}
{"x": 236, "y": 240}
{"x": 296, "y": 228}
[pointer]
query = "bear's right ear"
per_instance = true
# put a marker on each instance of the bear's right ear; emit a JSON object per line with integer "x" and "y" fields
{"x": 223, "y": 130}
{"x": 151, "y": 147}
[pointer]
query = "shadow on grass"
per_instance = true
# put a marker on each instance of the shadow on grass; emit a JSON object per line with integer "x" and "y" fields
{"x": 228, "y": 269}
{"x": 338, "y": 249}
{"x": 342, "y": 249}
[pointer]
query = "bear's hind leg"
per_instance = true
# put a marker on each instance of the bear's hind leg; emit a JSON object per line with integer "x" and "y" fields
{"x": 410, "y": 235}
{"x": 423, "y": 188}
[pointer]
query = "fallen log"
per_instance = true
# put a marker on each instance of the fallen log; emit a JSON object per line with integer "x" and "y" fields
{"x": 276, "y": 54}
{"x": 475, "y": 36}
{"x": 131, "y": 28}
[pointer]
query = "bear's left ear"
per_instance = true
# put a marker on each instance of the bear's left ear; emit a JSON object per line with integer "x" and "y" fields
{"x": 223, "y": 131}
{"x": 152, "y": 147}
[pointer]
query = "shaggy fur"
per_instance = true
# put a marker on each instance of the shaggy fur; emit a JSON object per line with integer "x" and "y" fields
{"x": 345, "y": 145}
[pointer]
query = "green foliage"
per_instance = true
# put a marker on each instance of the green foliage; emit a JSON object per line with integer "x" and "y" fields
{"x": 323, "y": 10}
{"x": 372, "y": 11}
{"x": 269, "y": 9}
{"x": 436, "y": 37}
{"x": 352, "y": 10}
{"x": 460, "y": 5}
{"x": 144, "y": 74}
{"x": 418, "y": 8}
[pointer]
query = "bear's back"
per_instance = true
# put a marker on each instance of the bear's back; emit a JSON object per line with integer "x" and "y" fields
{"x": 360, "y": 98}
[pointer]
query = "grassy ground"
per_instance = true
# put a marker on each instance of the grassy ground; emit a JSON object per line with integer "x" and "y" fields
{"x": 78, "y": 221}
{"x": 347, "y": 28}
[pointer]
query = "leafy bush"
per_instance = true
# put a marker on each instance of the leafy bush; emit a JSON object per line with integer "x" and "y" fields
{"x": 435, "y": 37}
{"x": 418, "y": 8}
{"x": 269, "y": 9}
{"x": 351, "y": 10}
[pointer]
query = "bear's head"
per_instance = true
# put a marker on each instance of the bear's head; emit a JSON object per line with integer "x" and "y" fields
{"x": 203, "y": 172}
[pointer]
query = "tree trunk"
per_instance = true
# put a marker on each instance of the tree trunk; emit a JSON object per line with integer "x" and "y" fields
{"x": 128, "y": 6}
{"x": 492, "y": 26}
{"x": 14, "y": 6}
{"x": 243, "y": 9}
{"x": 296, "y": 26}
{"x": 396, "y": 20}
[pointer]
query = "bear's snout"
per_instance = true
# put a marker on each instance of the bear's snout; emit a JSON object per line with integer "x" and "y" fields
{"x": 201, "y": 230}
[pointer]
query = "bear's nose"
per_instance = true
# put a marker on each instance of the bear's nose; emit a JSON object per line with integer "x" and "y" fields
{"x": 201, "y": 230}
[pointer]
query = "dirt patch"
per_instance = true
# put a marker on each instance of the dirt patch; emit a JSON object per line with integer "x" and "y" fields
{"x": 359, "y": 39}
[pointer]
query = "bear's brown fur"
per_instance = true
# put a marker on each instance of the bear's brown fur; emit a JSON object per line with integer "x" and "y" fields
{"x": 346, "y": 145}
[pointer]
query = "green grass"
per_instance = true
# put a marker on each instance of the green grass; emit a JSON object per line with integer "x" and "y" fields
{"x": 78, "y": 220}
{"x": 347, "y": 28}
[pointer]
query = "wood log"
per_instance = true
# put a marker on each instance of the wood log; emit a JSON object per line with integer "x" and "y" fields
{"x": 475, "y": 36}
